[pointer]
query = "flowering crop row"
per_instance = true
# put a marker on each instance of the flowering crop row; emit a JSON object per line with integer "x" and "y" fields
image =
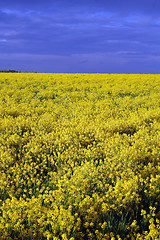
{"x": 79, "y": 156}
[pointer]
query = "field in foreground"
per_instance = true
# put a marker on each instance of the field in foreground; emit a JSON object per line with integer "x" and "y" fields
{"x": 79, "y": 156}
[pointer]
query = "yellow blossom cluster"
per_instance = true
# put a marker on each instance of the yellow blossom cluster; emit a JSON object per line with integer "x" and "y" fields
{"x": 79, "y": 156}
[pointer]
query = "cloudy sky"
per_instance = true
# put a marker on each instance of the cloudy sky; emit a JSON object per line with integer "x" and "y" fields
{"x": 106, "y": 36}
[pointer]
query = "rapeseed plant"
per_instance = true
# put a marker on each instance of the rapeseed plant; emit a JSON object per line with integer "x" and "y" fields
{"x": 79, "y": 156}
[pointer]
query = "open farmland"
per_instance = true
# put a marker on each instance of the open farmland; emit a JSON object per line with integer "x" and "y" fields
{"x": 79, "y": 156}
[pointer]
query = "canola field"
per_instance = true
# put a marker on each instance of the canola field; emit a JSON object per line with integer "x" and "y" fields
{"x": 79, "y": 156}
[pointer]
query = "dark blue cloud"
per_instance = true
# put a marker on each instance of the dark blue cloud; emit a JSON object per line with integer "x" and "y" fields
{"x": 143, "y": 6}
{"x": 119, "y": 35}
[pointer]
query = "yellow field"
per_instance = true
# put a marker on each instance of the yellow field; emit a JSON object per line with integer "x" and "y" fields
{"x": 79, "y": 156}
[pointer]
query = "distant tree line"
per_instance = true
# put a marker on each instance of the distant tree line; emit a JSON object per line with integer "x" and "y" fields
{"x": 8, "y": 71}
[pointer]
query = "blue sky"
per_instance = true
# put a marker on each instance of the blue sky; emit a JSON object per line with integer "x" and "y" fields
{"x": 105, "y": 36}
